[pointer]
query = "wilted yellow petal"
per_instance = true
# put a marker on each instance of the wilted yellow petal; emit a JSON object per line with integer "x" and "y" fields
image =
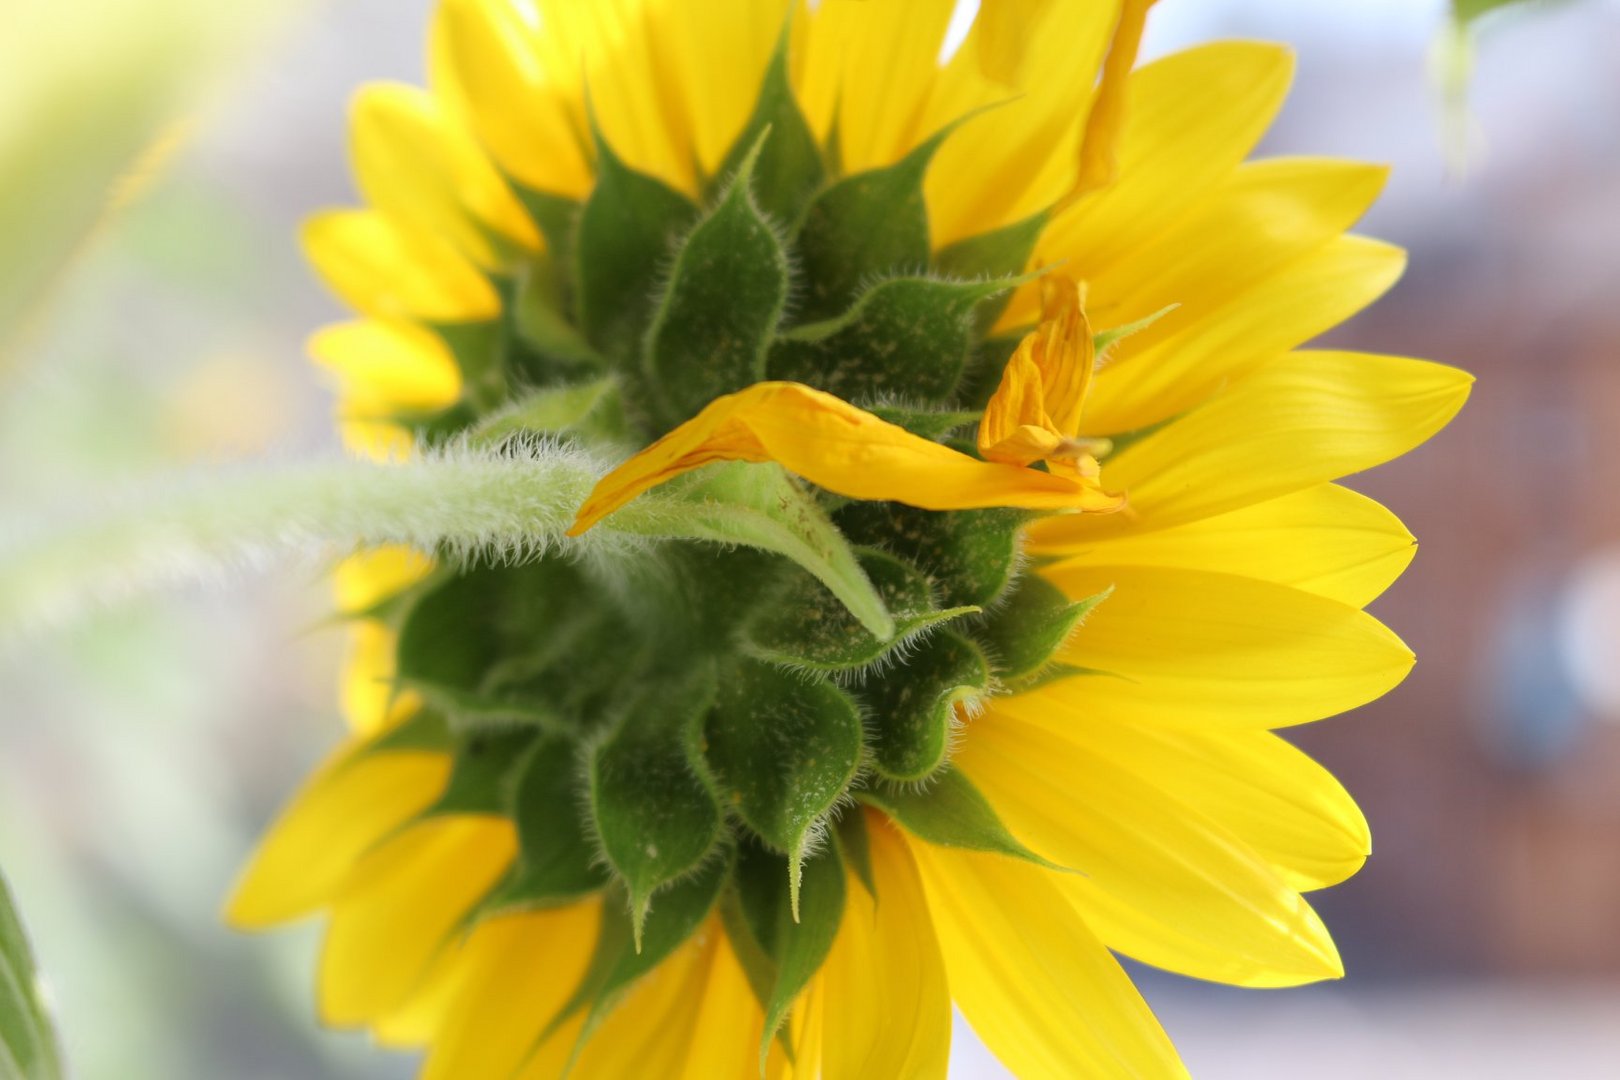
{"x": 1099, "y": 163}
{"x": 842, "y": 448}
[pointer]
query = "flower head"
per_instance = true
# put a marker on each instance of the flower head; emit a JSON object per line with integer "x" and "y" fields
{"x": 895, "y": 710}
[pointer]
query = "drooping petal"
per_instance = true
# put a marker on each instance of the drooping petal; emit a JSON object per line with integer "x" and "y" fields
{"x": 887, "y": 1009}
{"x": 1326, "y": 540}
{"x": 1192, "y": 648}
{"x": 348, "y": 805}
{"x": 1031, "y": 977}
{"x": 1295, "y": 422}
{"x": 1135, "y": 845}
{"x": 1099, "y": 162}
{"x": 840, "y": 447}
{"x": 380, "y": 268}
{"x": 1285, "y": 807}
{"x": 416, "y": 162}
{"x": 398, "y": 907}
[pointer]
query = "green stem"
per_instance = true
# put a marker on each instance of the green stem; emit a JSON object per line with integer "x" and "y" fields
{"x": 461, "y": 503}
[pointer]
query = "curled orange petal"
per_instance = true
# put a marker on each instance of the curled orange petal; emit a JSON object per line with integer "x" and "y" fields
{"x": 840, "y": 447}
{"x": 1034, "y": 414}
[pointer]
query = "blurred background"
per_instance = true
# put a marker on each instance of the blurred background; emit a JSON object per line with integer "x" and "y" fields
{"x": 145, "y": 749}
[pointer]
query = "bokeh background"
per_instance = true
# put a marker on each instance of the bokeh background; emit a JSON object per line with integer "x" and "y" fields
{"x": 142, "y": 751}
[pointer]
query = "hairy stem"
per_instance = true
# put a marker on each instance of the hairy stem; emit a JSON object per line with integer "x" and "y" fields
{"x": 461, "y": 503}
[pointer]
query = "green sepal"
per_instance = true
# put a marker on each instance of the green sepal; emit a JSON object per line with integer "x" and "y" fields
{"x": 651, "y": 810}
{"x": 720, "y": 304}
{"x": 479, "y": 349}
{"x": 972, "y": 555}
{"x": 540, "y": 318}
{"x": 783, "y": 751}
{"x": 424, "y": 731}
{"x": 1030, "y": 624}
{"x": 484, "y": 771}
{"x": 28, "y": 1043}
{"x": 985, "y": 368}
{"x": 549, "y": 410}
{"x": 869, "y": 225}
{"x": 557, "y": 216}
{"x": 806, "y": 625}
{"x": 760, "y": 505}
{"x": 950, "y": 811}
{"x": 790, "y": 167}
{"x": 796, "y": 942}
{"x": 913, "y": 707}
{"x": 1003, "y": 252}
{"x": 470, "y": 713}
{"x": 905, "y": 335}
{"x": 556, "y": 859}
{"x": 855, "y": 846}
{"x": 928, "y": 423}
{"x": 621, "y": 243}
{"x": 1103, "y": 340}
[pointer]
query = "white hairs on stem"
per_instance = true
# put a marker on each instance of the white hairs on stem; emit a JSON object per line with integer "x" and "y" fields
{"x": 461, "y": 502}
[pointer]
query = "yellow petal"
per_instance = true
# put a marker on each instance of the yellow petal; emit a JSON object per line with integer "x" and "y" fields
{"x": 1032, "y": 979}
{"x": 518, "y": 110}
{"x": 654, "y": 1022}
{"x": 842, "y": 448}
{"x": 398, "y": 907}
{"x": 1326, "y": 539}
{"x": 1194, "y": 648}
{"x": 380, "y": 268}
{"x": 1285, "y": 807}
{"x": 870, "y": 66}
{"x": 728, "y": 1026}
{"x": 1137, "y": 846}
{"x": 387, "y": 368}
{"x": 416, "y": 162}
{"x": 1022, "y": 156}
{"x": 1001, "y": 33}
{"x": 367, "y": 578}
{"x": 349, "y": 804}
{"x": 516, "y": 971}
{"x": 1099, "y": 164}
{"x": 368, "y": 696}
{"x": 1167, "y": 369}
{"x": 887, "y": 1009}
{"x": 1190, "y": 118}
{"x": 1293, "y": 423}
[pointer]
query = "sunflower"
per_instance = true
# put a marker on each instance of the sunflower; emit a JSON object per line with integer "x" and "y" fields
{"x": 998, "y": 534}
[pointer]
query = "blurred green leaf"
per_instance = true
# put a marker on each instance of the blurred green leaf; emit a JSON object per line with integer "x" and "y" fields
{"x": 28, "y": 1048}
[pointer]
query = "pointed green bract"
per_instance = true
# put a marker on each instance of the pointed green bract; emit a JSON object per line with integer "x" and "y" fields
{"x": 972, "y": 555}
{"x": 556, "y": 859}
{"x": 551, "y": 343}
{"x": 483, "y": 773}
{"x": 761, "y": 506}
{"x": 1031, "y": 623}
{"x": 803, "y": 938}
{"x": 790, "y": 167}
{"x": 547, "y": 411}
{"x": 855, "y": 846}
{"x": 479, "y": 349}
{"x": 651, "y": 811}
{"x": 866, "y": 226}
{"x": 808, "y": 627}
{"x": 914, "y": 711}
{"x": 720, "y": 305}
{"x": 28, "y": 1048}
{"x": 621, "y": 245}
{"x": 905, "y": 336}
{"x": 784, "y": 750}
{"x": 950, "y": 812}
{"x": 1000, "y": 253}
